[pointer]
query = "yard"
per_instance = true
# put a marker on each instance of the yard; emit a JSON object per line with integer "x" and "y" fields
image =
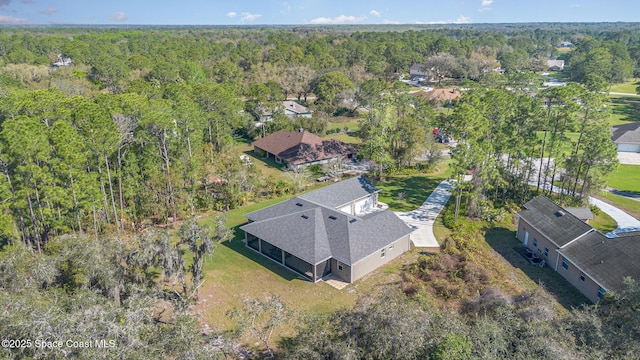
{"x": 626, "y": 87}
{"x": 234, "y": 272}
{"x": 624, "y": 109}
{"x": 625, "y": 178}
{"x": 503, "y": 241}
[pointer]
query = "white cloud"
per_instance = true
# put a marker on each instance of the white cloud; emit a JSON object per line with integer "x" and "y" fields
{"x": 390, "y": 22}
{"x": 49, "y": 11}
{"x": 232, "y": 14}
{"x": 374, "y": 13}
{"x": 118, "y": 17}
{"x": 342, "y": 19}
{"x": 460, "y": 20}
{"x": 487, "y": 2}
{"x": 246, "y": 16}
{"x": 10, "y": 20}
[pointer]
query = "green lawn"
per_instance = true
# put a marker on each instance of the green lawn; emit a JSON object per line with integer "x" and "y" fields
{"x": 406, "y": 193}
{"x": 340, "y": 122}
{"x": 624, "y": 109}
{"x": 347, "y": 138}
{"x": 603, "y": 222}
{"x": 627, "y": 87}
{"x": 625, "y": 178}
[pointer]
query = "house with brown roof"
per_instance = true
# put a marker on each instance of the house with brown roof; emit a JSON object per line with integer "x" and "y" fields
{"x": 301, "y": 148}
{"x": 338, "y": 231}
{"x": 587, "y": 259}
{"x": 439, "y": 95}
{"x": 627, "y": 137}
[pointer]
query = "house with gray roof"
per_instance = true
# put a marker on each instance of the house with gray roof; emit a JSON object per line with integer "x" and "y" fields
{"x": 627, "y": 137}
{"x": 337, "y": 231}
{"x": 587, "y": 259}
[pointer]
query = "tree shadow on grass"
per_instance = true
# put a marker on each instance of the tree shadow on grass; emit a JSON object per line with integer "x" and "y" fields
{"x": 627, "y": 107}
{"x": 503, "y": 241}
{"x": 261, "y": 263}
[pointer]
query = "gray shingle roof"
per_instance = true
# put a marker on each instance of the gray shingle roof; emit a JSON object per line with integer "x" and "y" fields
{"x": 626, "y": 133}
{"x": 314, "y": 232}
{"x": 606, "y": 260}
{"x": 557, "y": 224}
{"x": 582, "y": 213}
{"x": 342, "y": 193}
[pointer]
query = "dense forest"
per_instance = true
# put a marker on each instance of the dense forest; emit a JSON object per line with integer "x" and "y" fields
{"x": 138, "y": 129}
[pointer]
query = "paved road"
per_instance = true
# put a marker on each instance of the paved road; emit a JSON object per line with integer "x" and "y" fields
{"x": 623, "y": 94}
{"x": 422, "y": 218}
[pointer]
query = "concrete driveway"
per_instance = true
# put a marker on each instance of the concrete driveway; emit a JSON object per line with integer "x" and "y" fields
{"x": 421, "y": 219}
{"x": 625, "y": 221}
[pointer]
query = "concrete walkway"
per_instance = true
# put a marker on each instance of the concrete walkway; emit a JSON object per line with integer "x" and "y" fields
{"x": 625, "y": 221}
{"x": 421, "y": 219}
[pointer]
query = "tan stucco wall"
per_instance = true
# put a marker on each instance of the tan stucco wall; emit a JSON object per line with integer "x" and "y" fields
{"x": 543, "y": 242}
{"x": 588, "y": 287}
{"x": 374, "y": 261}
{"x": 345, "y": 274}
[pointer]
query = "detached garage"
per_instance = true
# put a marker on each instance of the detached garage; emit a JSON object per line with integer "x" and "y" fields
{"x": 627, "y": 137}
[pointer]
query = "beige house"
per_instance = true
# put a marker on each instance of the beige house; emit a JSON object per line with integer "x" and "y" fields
{"x": 587, "y": 259}
{"x": 337, "y": 231}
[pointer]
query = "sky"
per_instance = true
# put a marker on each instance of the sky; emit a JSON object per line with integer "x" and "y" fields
{"x": 280, "y": 12}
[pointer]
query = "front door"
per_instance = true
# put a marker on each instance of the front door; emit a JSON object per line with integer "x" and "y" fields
{"x": 526, "y": 238}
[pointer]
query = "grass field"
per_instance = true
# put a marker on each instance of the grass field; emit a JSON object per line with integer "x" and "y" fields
{"x": 625, "y": 178}
{"x": 347, "y": 138}
{"x": 627, "y": 87}
{"x": 342, "y": 122}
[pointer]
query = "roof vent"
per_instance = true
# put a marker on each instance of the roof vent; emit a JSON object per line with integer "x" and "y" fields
{"x": 560, "y": 213}
{"x": 305, "y": 217}
{"x": 298, "y": 204}
{"x": 332, "y": 217}
{"x": 352, "y": 221}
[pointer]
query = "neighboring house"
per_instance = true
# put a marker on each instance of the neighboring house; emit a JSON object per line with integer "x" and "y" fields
{"x": 555, "y": 65}
{"x": 627, "y": 137}
{"x": 293, "y": 109}
{"x": 62, "y": 61}
{"x": 591, "y": 262}
{"x": 566, "y": 44}
{"x": 439, "y": 95}
{"x": 419, "y": 70}
{"x": 301, "y": 148}
{"x": 290, "y": 108}
{"x": 336, "y": 231}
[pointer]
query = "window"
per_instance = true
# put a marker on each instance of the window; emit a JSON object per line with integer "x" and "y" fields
{"x": 339, "y": 266}
{"x": 546, "y": 252}
{"x": 582, "y": 276}
{"x": 382, "y": 253}
{"x": 535, "y": 242}
{"x": 601, "y": 292}
{"x": 391, "y": 247}
{"x": 565, "y": 263}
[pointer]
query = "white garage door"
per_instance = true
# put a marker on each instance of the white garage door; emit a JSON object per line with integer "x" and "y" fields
{"x": 629, "y": 147}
